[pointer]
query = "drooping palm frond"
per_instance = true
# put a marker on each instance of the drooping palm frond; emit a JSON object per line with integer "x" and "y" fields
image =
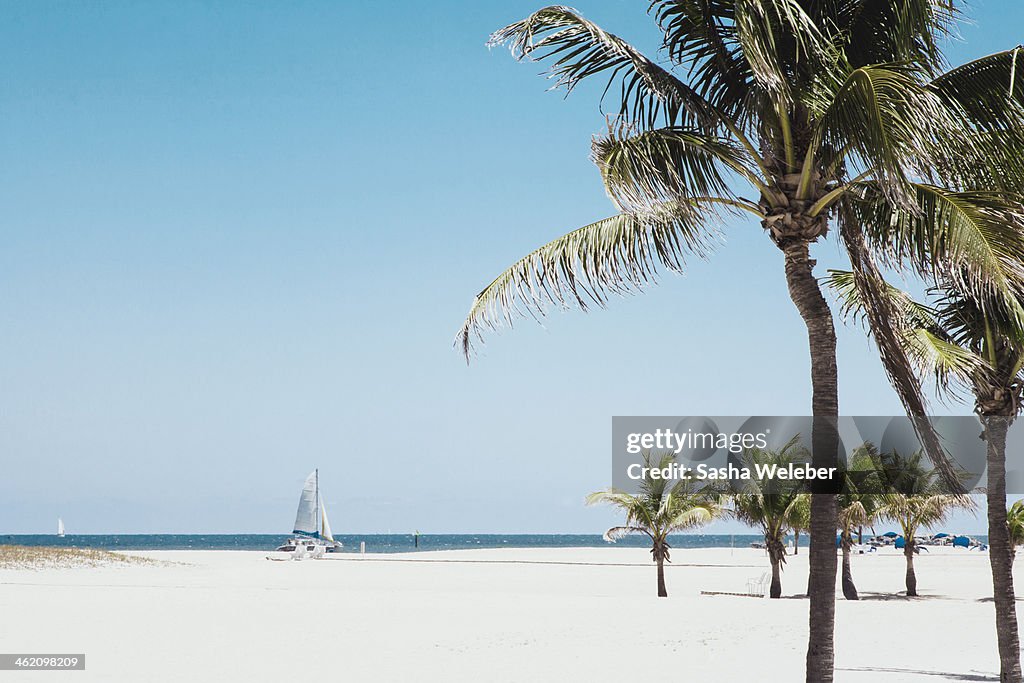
{"x": 988, "y": 94}
{"x": 989, "y": 91}
{"x": 975, "y": 240}
{"x": 579, "y": 49}
{"x": 911, "y": 313}
{"x": 669, "y": 164}
{"x": 929, "y": 347}
{"x": 613, "y": 256}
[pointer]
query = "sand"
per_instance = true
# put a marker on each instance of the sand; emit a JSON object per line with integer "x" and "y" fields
{"x": 492, "y": 615}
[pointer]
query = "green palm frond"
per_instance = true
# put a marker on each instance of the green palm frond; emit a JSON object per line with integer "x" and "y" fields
{"x": 909, "y": 31}
{"x": 613, "y": 256}
{"x": 668, "y": 164}
{"x": 660, "y": 509}
{"x": 775, "y": 35}
{"x": 883, "y": 116}
{"x": 1015, "y": 520}
{"x": 702, "y": 34}
{"x": 973, "y": 239}
{"x": 989, "y": 90}
{"x": 579, "y": 49}
{"x": 928, "y": 345}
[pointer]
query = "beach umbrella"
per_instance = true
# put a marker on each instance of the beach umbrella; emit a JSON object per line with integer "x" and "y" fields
{"x": 890, "y": 534}
{"x": 962, "y": 541}
{"x": 901, "y": 542}
{"x": 942, "y": 534}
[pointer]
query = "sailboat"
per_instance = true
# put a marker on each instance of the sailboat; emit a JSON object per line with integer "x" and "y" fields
{"x": 60, "y": 527}
{"x": 313, "y": 537}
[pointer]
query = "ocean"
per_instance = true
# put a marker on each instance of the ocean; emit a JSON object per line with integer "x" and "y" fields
{"x": 375, "y": 543}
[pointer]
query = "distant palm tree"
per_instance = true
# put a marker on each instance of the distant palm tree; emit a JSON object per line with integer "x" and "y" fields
{"x": 659, "y": 510}
{"x": 774, "y": 505}
{"x": 1015, "y": 523}
{"x": 925, "y": 506}
{"x": 801, "y": 522}
{"x": 858, "y": 506}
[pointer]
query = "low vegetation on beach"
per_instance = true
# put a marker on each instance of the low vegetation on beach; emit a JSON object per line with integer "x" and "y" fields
{"x": 31, "y": 557}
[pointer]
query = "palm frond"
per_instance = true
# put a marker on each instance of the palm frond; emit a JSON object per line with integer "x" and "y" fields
{"x": 975, "y": 240}
{"x": 668, "y": 164}
{"x": 989, "y": 90}
{"x": 617, "y": 532}
{"x": 613, "y": 256}
{"x": 885, "y": 118}
{"x": 580, "y": 49}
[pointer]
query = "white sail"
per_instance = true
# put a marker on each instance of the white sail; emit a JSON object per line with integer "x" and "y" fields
{"x": 305, "y": 516}
{"x": 325, "y": 526}
{"x": 60, "y": 526}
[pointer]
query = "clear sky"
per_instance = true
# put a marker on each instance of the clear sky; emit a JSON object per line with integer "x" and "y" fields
{"x": 237, "y": 239}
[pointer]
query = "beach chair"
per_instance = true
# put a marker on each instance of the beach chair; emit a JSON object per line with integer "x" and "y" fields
{"x": 758, "y": 586}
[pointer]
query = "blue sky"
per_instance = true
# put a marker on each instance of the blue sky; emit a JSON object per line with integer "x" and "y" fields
{"x": 238, "y": 239}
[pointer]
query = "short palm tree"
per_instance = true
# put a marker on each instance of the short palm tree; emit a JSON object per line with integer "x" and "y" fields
{"x": 822, "y": 109}
{"x": 858, "y": 506}
{"x": 914, "y": 499}
{"x": 660, "y": 509}
{"x": 912, "y": 512}
{"x": 1015, "y": 523}
{"x": 775, "y": 506}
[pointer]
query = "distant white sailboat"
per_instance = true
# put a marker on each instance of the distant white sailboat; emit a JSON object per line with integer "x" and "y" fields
{"x": 313, "y": 537}
{"x": 60, "y": 527}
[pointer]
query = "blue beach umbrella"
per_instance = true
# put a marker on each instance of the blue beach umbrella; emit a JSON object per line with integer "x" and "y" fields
{"x": 901, "y": 542}
{"x": 890, "y": 534}
{"x": 962, "y": 541}
{"x": 941, "y": 535}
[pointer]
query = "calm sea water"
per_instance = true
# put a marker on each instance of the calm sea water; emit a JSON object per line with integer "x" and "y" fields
{"x": 375, "y": 543}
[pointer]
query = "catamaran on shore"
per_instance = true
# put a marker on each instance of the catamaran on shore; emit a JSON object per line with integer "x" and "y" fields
{"x": 312, "y": 530}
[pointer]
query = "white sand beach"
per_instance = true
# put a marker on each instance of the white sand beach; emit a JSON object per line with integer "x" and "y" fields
{"x": 495, "y": 615}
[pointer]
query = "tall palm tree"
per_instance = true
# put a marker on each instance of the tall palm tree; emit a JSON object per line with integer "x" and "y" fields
{"x": 658, "y": 510}
{"x": 776, "y": 506}
{"x": 820, "y": 108}
{"x": 966, "y": 345}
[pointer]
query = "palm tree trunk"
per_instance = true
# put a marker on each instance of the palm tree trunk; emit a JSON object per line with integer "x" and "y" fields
{"x": 849, "y": 589}
{"x": 908, "y": 552}
{"x": 662, "y": 590}
{"x": 806, "y": 295}
{"x": 1000, "y": 553}
{"x": 776, "y": 588}
{"x": 796, "y": 541}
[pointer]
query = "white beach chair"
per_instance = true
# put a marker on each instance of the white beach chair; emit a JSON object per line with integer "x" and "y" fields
{"x": 758, "y": 586}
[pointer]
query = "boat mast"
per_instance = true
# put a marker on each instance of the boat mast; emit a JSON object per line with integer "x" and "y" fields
{"x": 316, "y": 514}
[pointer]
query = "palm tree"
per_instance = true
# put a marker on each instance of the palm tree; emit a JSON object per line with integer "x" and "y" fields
{"x": 801, "y": 522}
{"x": 659, "y": 510}
{"x": 858, "y": 506}
{"x": 916, "y": 511}
{"x": 1015, "y": 524}
{"x": 775, "y": 506}
{"x": 969, "y": 345}
{"x": 821, "y": 108}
